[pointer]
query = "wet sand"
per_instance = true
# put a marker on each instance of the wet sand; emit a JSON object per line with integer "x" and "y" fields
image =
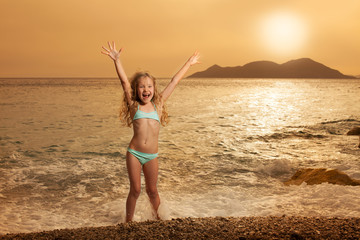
{"x": 214, "y": 228}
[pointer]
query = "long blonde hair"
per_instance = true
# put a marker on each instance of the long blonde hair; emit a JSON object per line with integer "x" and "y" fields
{"x": 125, "y": 107}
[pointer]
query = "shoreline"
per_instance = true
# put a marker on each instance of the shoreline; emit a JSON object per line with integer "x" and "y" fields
{"x": 271, "y": 227}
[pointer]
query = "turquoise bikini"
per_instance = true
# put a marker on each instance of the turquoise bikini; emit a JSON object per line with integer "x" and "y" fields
{"x": 152, "y": 115}
{"x": 144, "y": 157}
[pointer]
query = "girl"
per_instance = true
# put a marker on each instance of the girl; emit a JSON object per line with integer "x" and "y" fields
{"x": 144, "y": 109}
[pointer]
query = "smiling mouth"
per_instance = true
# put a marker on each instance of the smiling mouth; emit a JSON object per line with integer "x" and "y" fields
{"x": 146, "y": 95}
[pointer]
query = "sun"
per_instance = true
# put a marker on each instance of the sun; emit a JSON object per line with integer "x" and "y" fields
{"x": 283, "y": 32}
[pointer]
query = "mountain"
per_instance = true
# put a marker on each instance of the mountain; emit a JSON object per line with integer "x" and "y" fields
{"x": 299, "y": 68}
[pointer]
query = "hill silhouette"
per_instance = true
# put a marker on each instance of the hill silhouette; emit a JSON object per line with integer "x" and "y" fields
{"x": 299, "y": 68}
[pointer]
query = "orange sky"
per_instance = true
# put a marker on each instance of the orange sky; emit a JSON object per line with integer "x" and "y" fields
{"x": 45, "y": 38}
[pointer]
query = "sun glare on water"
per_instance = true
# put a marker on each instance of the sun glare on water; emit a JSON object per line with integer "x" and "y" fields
{"x": 283, "y": 33}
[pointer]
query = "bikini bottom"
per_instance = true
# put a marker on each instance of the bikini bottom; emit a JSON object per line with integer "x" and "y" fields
{"x": 143, "y": 157}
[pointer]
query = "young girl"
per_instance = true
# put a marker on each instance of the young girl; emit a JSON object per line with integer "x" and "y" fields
{"x": 144, "y": 109}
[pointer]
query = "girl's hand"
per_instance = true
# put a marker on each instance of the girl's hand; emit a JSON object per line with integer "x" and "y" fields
{"x": 112, "y": 52}
{"x": 194, "y": 59}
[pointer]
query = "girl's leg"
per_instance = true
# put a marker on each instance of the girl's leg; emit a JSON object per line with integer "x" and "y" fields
{"x": 150, "y": 170}
{"x": 134, "y": 171}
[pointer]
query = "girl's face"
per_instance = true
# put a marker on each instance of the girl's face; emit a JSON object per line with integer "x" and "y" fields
{"x": 145, "y": 89}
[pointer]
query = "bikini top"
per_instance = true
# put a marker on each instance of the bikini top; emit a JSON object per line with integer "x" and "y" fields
{"x": 151, "y": 115}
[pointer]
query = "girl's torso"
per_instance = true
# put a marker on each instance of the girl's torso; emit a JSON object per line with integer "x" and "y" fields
{"x": 146, "y": 126}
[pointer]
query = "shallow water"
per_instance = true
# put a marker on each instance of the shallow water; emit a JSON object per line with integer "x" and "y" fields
{"x": 226, "y": 151}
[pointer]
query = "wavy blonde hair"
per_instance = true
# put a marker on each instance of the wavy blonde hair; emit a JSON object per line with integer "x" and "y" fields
{"x": 125, "y": 107}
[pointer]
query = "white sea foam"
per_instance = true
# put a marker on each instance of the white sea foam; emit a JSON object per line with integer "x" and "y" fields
{"x": 277, "y": 168}
{"x": 304, "y": 200}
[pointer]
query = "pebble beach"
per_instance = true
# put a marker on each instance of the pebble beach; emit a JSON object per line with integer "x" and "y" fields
{"x": 270, "y": 227}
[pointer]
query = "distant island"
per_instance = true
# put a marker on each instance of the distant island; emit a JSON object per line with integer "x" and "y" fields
{"x": 299, "y": 68}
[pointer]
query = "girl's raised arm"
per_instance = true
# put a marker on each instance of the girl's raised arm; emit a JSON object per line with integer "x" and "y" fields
{"x": 115, "y": 55}
{"x": 194, "y": 59}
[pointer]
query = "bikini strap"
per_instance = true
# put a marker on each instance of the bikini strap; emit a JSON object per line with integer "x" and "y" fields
{"x": 152, "y": 103}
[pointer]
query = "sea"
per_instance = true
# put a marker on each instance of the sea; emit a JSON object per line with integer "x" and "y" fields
{"x": 229, "y": 146}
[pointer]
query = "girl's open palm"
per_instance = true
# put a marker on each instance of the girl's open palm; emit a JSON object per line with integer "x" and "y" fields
{"x": 194, "y": 59}
{"x": 112, "y": 52}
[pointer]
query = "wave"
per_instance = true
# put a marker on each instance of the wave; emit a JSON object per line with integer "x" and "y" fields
{"x": 321, "y": 130}
{"x": 285, "y": 135}
{"x": 336, "y": 127}
{"x": 107, "y": 154}
{"x": 277, "y": 168}
{"x": 342, "y": 121}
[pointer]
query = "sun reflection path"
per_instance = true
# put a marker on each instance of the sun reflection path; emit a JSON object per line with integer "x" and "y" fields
{"x": 271, "y": 107}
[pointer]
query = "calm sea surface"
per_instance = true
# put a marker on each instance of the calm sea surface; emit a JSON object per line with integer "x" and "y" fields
{"x": 226, "y": 151}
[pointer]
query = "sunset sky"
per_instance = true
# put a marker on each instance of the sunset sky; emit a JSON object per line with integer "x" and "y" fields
{"x": 49, "y": 38}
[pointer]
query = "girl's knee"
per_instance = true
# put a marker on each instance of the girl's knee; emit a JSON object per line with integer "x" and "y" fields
{"x": 151, "y": 191}
{"x": 135, "y": 191}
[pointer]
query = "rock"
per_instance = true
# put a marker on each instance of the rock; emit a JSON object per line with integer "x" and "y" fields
{"x": 355, "y": 132}
{"x": 321, "y": 175}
